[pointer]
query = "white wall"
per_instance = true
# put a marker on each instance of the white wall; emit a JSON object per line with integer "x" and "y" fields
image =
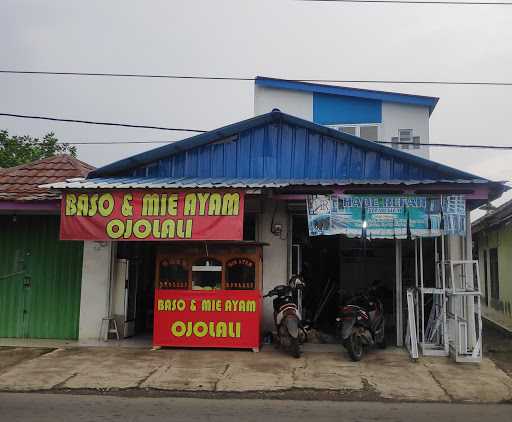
{"x": 401, "y": 116}
{"x": 95, "y": 288}
{"x": 120, "y": 272}
{"x": 275, "y": 255}
{"x": 394, "y": 116}
{"x": 296, "y": 103}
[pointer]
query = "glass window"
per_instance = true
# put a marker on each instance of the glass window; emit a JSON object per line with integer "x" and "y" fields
{"x": 173, "y": 274}
{"x": 405, "y": 137}
{"x": 240, "y": 274}
{"x": 207, "y": 274}
{"x": 351, "y": 130}
{"x": 370, "y": 133}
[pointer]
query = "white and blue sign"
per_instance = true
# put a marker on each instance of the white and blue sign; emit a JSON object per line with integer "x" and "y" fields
{"x": 386, "y": 217}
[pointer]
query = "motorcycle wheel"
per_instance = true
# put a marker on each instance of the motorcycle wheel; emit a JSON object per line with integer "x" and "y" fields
{"x": 354, "y": 347}
{"x": 382, "y": 344}
{"x": 295, "y": 348}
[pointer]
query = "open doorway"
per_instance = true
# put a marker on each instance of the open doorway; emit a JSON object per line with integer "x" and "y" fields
{"x": 317, "y": 259}
{"x": 135, "y": 283}
{"x": 337, "y": 267}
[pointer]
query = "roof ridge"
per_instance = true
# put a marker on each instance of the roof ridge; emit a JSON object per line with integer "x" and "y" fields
{"x": 21, "y": 183}
{"x": 271, "y": 117}
{"x": 79, "y": 164}
{"x": 75, "y": 162}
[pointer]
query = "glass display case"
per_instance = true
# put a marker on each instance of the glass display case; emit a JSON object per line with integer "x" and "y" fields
{"x": 217, "y": 266}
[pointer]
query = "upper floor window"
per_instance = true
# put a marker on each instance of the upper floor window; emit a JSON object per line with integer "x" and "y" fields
{"x": 405, "y": 137}
{"x": 369, "y": 132}
{"x": 406, "y": 140}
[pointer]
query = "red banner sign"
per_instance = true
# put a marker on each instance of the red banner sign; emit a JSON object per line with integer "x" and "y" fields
{"x": 152, "y": 215}
{"x": 220, "y": 318}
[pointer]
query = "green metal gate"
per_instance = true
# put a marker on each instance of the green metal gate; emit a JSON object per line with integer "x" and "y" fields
{"x": 40, "y": 279}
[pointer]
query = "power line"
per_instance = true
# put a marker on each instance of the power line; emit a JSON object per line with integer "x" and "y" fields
{"x": 251, "y": 79}
{"x": 428, "y": 2}
{"x": 127, "y": 75}
{"x": 90, "y": 122}
{"x": 443, "y": 145}
{"x": 447, "y": 145}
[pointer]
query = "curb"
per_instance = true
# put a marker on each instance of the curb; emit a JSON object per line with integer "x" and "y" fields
{"x": 497, "y": 325}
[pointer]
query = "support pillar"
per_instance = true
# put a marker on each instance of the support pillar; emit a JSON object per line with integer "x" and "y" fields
{"x": 95, "y": 295}
{"x": 398, "y": 294}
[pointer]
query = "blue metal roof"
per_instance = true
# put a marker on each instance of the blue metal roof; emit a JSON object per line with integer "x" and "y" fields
{"x": 279, "y": 146}
{"x": 226, "y": 182}
{"x": 392, "y": 97}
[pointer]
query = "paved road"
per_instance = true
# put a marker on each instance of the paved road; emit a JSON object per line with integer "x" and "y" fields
{"x": 30, "y": 407}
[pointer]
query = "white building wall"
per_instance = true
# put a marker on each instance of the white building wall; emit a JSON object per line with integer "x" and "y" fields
{"x": 402, "y": 116}
{"x": 296, "y": 103}
{"x": 94, "y": 299}
{"x": 275, "y": 255}
{"x": 394, "y": 116}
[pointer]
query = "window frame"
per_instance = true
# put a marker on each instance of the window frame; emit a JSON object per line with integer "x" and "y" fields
{"x": 217, "y": 268}
{"x": 357, "y": 127}
{"x": 409, "y": 144}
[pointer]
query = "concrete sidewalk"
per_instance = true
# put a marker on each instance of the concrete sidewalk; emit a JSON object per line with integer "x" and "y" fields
{"x": 385, "y": 374}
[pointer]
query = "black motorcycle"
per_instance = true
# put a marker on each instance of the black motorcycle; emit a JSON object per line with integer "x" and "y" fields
{"x": 360, "y": 324}
{"x": 287, "y": 317}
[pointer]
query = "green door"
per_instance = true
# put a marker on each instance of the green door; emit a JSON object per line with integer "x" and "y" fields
{"x": 40, "y": 279}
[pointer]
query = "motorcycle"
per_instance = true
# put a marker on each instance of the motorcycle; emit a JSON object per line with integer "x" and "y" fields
{"x": 360, "y": 324}
{"x": 287, "y": 315}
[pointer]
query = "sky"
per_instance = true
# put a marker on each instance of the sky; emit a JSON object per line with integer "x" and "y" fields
{"x": 277, "y": 38}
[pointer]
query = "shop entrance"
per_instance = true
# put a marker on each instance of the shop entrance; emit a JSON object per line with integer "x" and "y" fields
{"x": 337, "y": 267}
{"x": 134, "y": 288}
{"x": 317, "y": 259}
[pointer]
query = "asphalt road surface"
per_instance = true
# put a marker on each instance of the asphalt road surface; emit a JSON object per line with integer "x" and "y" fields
{"x": 27, "y": 407}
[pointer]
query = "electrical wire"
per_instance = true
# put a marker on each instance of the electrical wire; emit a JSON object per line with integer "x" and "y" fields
{"x": 427, "y": 2}
{"x": 251, "y": 79}
{"x": 91, "y": 122}
{"x": 411, "y": 145}
{"x": 58, "y": 119}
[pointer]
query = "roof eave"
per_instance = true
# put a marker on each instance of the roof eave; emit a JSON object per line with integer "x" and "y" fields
{"x": 387, "y": 96}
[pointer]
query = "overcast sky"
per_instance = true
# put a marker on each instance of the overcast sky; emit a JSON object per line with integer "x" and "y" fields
{"x": 286, "y": 39}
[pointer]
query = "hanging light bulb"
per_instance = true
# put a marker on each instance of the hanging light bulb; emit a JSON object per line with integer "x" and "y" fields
{"x": 365, "y": 224}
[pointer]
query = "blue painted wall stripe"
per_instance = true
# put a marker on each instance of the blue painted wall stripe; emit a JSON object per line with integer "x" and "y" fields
{"x": 336, "y": 109}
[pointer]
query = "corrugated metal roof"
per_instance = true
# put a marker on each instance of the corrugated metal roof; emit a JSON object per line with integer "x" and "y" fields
{"x": 493, "y": 218}
{"x": 196, "y": 182}
{"x": 279, "y": 146}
